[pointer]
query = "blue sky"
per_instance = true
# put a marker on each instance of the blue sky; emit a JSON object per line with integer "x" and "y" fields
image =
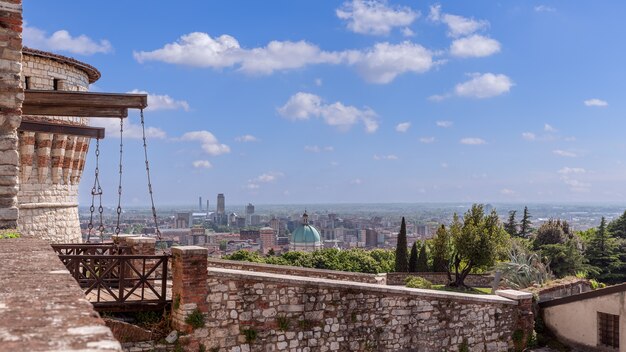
{"x": 356, "y": 101}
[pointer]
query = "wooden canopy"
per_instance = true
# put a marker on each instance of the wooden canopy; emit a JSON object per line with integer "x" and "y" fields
{"x": 77, "y": 104}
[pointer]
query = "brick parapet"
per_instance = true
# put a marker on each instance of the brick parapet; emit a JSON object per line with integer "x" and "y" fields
{"x": 189, "y": 284}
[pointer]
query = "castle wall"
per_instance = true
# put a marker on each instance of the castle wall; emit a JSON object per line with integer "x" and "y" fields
{"x": 51, "y": 164}
{"x": 11, "y": 98}
{"x": 473, "y": 280}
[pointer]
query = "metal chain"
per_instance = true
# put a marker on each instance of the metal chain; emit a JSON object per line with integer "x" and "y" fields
{"x": 145, "y": 152}
{"x": 95, "y": 190}
{"x": 119, "y": 188}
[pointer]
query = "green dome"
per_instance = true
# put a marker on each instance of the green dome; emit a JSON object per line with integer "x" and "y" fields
{"x": 306, "y": 234}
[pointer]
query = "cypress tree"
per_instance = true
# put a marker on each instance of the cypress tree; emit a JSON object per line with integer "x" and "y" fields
{"x": 525, "y": 226}
{"x": 441, "y": 250}
{"x": 602, "y": 254}
{"x": 402, "y": 263}
{"x": 413, "y": 258}
{"x": 511, "y": 224}
{"x": 422, "y": 260}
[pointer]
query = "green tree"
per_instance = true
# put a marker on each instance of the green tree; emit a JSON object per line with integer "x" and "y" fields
{"x": 477, "y": 242}
{"x": 525, "y": 227}
{"x": 441, "y": 251}
{"x": 511, "y": 225}
{"x": 566, "y": 258}
{"x": 402, "y": 264}
{"x": 552, "y": 232}
{"x": 617, "y": 227}
{"x": 413, "y": 258}
{"x": 602, "y": 254}
{"x": 422, "y": 260}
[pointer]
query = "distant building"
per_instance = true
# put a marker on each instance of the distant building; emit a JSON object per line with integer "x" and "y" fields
{"x": 249, "y": 212}
{"x": 371, "y": 238}
{"x": 250, "y": 235}
{"x": 305, "y": 237}
{"x": 255, "y": 220}
{"x": 268, "y": 239}
{"x": 183, "y": 220}
{"x": 221, "y": 204}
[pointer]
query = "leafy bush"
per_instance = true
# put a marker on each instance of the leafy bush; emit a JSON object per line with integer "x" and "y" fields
{"x": 417, "y": 282}
{"x": 9, "y": 234}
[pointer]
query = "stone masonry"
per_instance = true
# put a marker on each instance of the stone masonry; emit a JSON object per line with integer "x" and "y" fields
{"x": 261, "y": 311}
{"x": 473, "y": 280}
{"x": 11, "y": 98}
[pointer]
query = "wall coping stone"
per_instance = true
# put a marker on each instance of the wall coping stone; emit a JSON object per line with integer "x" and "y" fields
{"x": 513, "y": 294}
{"x": 190, "y": 250}
{"x": 136, "y": 239}
{"x": 398, "y": 290}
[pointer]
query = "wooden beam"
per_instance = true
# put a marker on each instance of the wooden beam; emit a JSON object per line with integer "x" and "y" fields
{"x": 74, "y": 111}
{"x": 73, "y": 130}
{"x": 90, "y": 99}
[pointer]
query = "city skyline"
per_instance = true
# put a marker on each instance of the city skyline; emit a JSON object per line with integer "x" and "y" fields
{"x": 388, "y": 102}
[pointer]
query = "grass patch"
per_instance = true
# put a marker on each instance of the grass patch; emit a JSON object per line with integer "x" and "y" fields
{"x": 471, "y": 290}
{"x": 9, "y": 233}
{"x": 195, "y": 319}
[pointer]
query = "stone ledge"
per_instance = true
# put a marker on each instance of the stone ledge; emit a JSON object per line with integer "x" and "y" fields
{"x": 360, "y": 287}
{"x": 190, "y": 250}
{"x": 513, "y": 294}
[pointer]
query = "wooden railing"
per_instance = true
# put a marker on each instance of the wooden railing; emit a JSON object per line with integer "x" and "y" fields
{"x": 89, "y": 248}
{"x": 120, "y": 282}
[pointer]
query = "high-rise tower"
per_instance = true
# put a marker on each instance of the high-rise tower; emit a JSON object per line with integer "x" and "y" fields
{"x": 221, "y": 204}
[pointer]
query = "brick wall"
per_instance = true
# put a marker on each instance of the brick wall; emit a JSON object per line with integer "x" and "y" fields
{"x": 11, "y": 98}
{"x": 440, "y": 279}
{"x": 298, "y": 271}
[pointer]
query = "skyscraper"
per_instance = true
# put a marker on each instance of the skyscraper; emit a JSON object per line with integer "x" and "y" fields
{"x": 221, "y": 204}
{"x": 249, "y": 212}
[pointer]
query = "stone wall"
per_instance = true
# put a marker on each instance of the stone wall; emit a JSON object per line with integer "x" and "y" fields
{"x": 51, "y": 164}
{"x": 11, "y": 98}
{"x": 42, "y": 308}
{"x": 558, "y": 290}
{"x": 472, "y": 280}
{"x": 298, "y": 271}
{"x": 271, "y": 312}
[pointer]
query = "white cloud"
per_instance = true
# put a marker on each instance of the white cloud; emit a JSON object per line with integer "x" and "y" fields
{"x": 317, "y": 149}
{"x": 596, "y": 102}
{"x": 564, "y": 153}
{"x": 438, "y": 97}
{"x": 549, "y": 128}
{"x": 444, "y": 165}
{"x": 407, "y": 32}
{"x": 208, "y": 141}
{"x": 252, "y": 186}
{"x": 484, "y": 86}
{"x": 567, "y": 174}
{"x": 375, "y": 16}
{"x": 427, "y": 140}
{"x": 202, "y": 164}
{"x": 318, "y": 82}
{"x": 472, "y": 141}
{"x": 474, "y": 46}
{"x": 162, "y": 102}
{"x": 572, "y": 170}
{"x": 403, "y": 127}
{"x": 544, "y": 8}
{"x": 246, "y": 138}
{"x": 63, "y": 41}
{"x": 356, "y": 181}
{"x": 458, "y": 26}
{"x": 379, "y": 64}
{"x": 385, "y": 157}
{"x": 131, "y": 130}
{"x": 508, "y": 192}
{"x": 269, "y": 177}
{"x": 384, "y": 62}
{"x": 529, "y": 136}
{"x": 302, "y": 106}
{"x": 444, "y": 124}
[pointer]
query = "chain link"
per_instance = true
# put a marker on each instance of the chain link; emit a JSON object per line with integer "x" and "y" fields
{"x": 96, "y": 190}
{"x": 145, "y": 152}
{"x": 119, "y": 187}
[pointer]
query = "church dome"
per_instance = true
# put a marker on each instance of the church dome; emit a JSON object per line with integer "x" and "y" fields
{"x": 305, "y": 234}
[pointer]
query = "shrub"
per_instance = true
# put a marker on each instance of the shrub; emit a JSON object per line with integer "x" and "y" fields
{"x": 250, "y": 335}
{"x": 283, "y": 323}
{"x": 417, "y": 282}
{"x": 524, "y": 268}
{"x": 195, "y": 319}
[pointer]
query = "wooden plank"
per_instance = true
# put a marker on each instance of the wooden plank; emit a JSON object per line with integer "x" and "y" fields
{"x": 69, "y": 98}
{"x": 72, "y": 130}
{"x": 74, "y": 111}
